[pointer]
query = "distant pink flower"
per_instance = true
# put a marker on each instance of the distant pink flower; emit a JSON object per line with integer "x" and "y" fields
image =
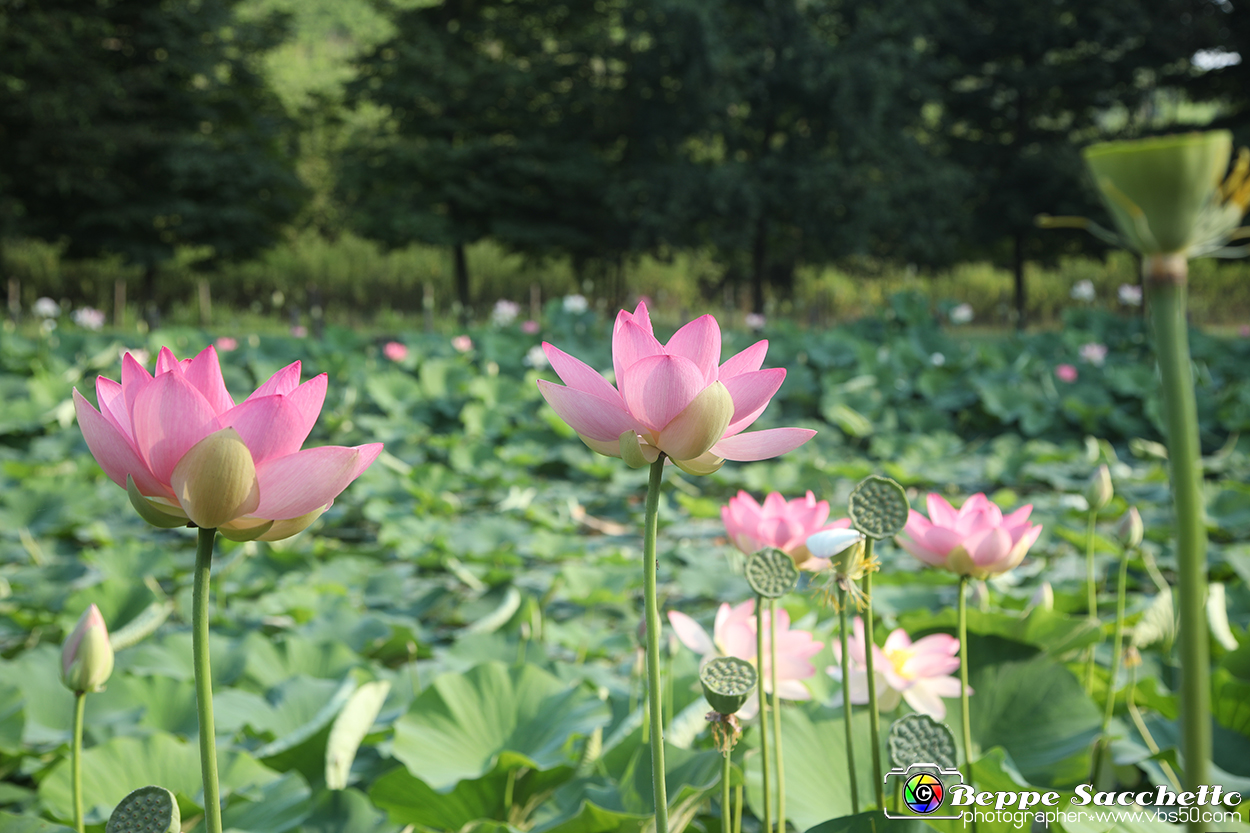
{"x": 462, "y": 343}
{"x": 530, "y": 327}
{"x": 1094, "y": 353}
{"x": 918, "y": 671}
{"x": 226, "y": 344}
{"x": 977, "y": 540}
{"x": 504, "y": 313}
{"x": 1065, "y": 373}
{"x": 673, "y": 399}
{"x": 195, "y": 455}
{"x": 89, "y": 318}
{"x": 779, "y": 523}
{"x": 733, "y": 635}
{"x": 1244, "y": 331}
{"x": 755, "y": 321}
{"x": 395, "y": 351}
{"x": 299, "y": 331}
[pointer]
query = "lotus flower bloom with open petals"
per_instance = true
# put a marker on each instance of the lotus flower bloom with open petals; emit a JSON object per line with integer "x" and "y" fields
{"x": 184, "y": 451}
{"x": 733, "y": 635}
{"x": 784, "y": 524}
{"x": 977, "y": 541}
{"x": 675, "y": 398}
{"x": 918, "y": 671}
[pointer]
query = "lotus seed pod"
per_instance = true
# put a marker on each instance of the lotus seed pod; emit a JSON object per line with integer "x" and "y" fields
{"x": 1130, "y": 529}
{"x": 727, "y": 683}
{"x": 1159, "y": 189}
{"x": 87, "y": 656}
{"x": 1099, "y": 491}
{"x": 771, "y": 573}
{"x": 146, "y": 810}
{"x": 215, "y": 481}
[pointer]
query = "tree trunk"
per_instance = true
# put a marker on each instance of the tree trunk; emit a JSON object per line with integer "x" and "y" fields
{"x": 460, "y": 269}
{"x": 1018, "y": 268}
{"x": 759, "y": 255}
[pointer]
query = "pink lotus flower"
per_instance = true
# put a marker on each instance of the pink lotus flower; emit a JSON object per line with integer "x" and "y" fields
{"x": 530, "y": 327}
{"x": 1094, "y": 353}
{"x": 395, "y": 351}
{"x": 462, "y": 344}
{"x": 976, "y": 541}
{"x": 673, "y": 399}
{"x": 226, "y": 344}
{"x": 733, "y": 635}
{"x": 779, "y": 523}
{"x": 1065, "y": 373}
{"x": 916, "y": 671}
{"x": 193, "y": 455}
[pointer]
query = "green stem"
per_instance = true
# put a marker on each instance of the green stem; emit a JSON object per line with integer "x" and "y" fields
{"x": 80, "y": 700}
{"x": 1166, "y": 275}
{"x": 726, "y": 816}
{"x": 1092, "y": 596}
{"x": 772, "y": 673}
{"x": 874, "y": 713}
{"x": 963, "y": 673}
{"x": 656, "y": 717}
{"x": 204, "y": 679}
{"x": 759, "y": 663}
{"x": 738, "y": 809}
{"x": 846, "y": 699}
{"x": 1103, "y": 746}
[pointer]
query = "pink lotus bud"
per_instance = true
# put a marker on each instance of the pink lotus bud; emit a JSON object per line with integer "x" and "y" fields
{"x": 87, "y": 656}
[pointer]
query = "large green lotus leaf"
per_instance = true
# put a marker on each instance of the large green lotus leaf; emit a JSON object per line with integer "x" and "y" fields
{"x": 269, "y": 663}
{"x": 345, "y": 811}
{"x": 119, "y": 599}
{"x": 170, "y": 655}
{"x": 277, "y": 807}
{"x": 871, "y": 821}
{"x": 1054, "y": 632}
{"x": 49, "y": 706}
{"x": 1037, "y": 711}
{"x": 115, "y": 768}
{"x": 409, "y": 800}
{"x": 461, "y": 726}
{"x": 29, "y": 824}
{"x": 814, "y": 745}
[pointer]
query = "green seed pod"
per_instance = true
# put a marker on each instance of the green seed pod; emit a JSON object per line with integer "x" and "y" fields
{"x": 878, "y": 507}
{"x": 1159, "y": 189}
{"x": 146, "y": 810}
{"x": 771, "y": 573}
{"x": 727, "y": 683}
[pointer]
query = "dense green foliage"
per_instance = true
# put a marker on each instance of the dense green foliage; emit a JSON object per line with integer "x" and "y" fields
{"x": 486, "y": 569}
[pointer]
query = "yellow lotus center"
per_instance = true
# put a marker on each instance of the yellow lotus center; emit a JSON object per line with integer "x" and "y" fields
{"x": 898, "y": 658}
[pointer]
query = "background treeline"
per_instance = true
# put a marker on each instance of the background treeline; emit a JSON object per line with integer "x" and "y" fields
{"x": 398, "y": 155}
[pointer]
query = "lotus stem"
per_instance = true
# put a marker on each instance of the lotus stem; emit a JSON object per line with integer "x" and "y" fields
{"x": 772, "y": 673}
{"x": 738, "y": 809}
{"x": 1092, "y": 595}
{"x": 204, "y": 679}
{"x": 965, "y": 713}
{"x": 80, "y": 700}
{"x": 759, "y": 663}
{"x": 846, "y": 700}
{"x": 1166, "y": 276}
{"x": 874, "y": 713}
{"x": 656, "y": 716}
{"x": 726, "y": 814}
{"x": 1116, "y": 655}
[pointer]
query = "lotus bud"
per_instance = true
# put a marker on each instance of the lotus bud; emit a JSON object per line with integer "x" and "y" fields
{"x": 1099, "y": 491}
{"x": 87, "y": 656}
{"x": 1130, "y": 529}
{"x": 215, "y": 481}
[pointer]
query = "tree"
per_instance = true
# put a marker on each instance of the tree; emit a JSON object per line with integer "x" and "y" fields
{"x": 551, "y": 127}
{"x": 816, "y": 139}
{"x": 1024, "y": 86}
{"x": 137, "y": 127}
